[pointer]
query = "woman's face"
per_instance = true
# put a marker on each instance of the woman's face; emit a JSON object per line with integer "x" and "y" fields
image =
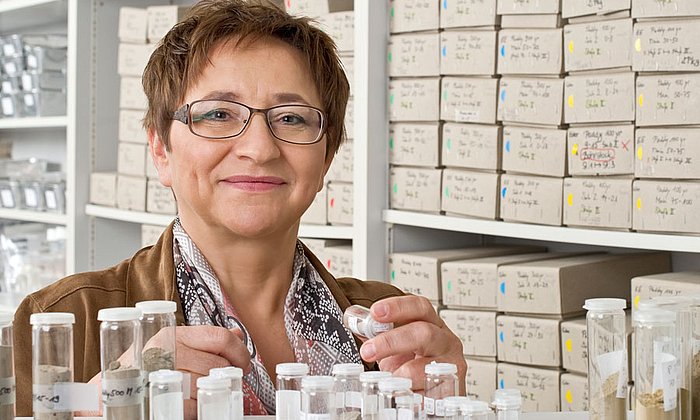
{"x": 252, "y": 185}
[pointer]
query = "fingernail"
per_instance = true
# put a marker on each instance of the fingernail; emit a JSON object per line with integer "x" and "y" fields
{"x": 367, "y": 351}
{"x": 380, "y": 309}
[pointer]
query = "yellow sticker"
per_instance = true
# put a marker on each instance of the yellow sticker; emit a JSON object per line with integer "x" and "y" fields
{"x": 639, "y": 203}
{"x": 574, "y": 149}
{"x": 636, "y": 302}
{"x": 570, "y": 200}
{"x": 640, "y": 153}
{"x": 638, "y": 45}
{"x": 641, "y": 99}
{"x": 569, "y": 346}
{"x": 569, "y": 398}
{"x": 571, "y": 47}
{"x": 571, "y": 101}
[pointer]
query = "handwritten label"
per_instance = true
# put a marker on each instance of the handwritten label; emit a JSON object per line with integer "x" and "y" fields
{"x": 536, "y": 386}
{"x": 531, "y": 199}
{"x": 600, "y": 98}
{"x": 667, "y": 206}
{"x": 667, "y": 46}
{"x": 468, "y": 52}
{"x": 481, "y": 380}
{"x": 598, "y": 202}
{"x": 598, "y": 45}
{"x": 469, "y": 326}
{"x": 668, "y": 153}
{"x": 535, "y": 101}
{"x": 342, "y": 166}
{"x": 574, "y": 337}
{"x": 668, "y": 99}
{"x": 523, "y": 340}
{"x": 414, "y": 55}
{"x": 416, "y": 189}
{"x": 470, "y": 146}
{"x": 413, "y": 15}
{"x": 533, "y": 51}
{"x": 537, "y": 151}
{"x": 414, "y": 144}
{"x": 122, "y": 392}
{"x": 607, "y": 150}
{"x": 414, "y": 99}
{"x": 470, "y": 193}
{"x": 506, "y": 7}
{"x": 575, "y": 8}
{"x": 469, "y": 100}
{"x": 461, "y": 13}
{"x": 664, "y": 8}
{"x": 8, "y": 389}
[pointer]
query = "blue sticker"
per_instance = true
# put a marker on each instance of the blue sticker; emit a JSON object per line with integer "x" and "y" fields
{"x": 500, "y": 336}
{"x": 503, "y": 50}
{"x": 503, "y": 287}
{"x": 444, "y": 50}
{"x": 503, "y": 95}
{"x": 502, "y": 384}
{"x": 508, "y": 146}
{"x": 503, "y": 192}
{"x": 444, "y": 4}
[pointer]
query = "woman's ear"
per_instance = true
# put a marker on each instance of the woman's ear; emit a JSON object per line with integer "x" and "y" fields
{"x": 160, "y": 156}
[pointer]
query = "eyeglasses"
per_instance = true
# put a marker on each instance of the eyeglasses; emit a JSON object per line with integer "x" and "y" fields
{"x": 221, "y": 119}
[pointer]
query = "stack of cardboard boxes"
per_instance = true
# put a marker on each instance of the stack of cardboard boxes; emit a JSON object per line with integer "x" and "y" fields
{"x": 334, "y": 254}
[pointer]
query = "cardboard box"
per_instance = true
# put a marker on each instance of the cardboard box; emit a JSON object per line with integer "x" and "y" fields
{"x": 132, "y": 58}
{"x": 414, "y": 55}
{"x": 672, "y": 153}
{"x": 150, "y": 234}
{"x": 598, "y": 202}
{"x": 471, "y": 146}
{"x": 528, "y": 7}
{"x": 161, "y": 19}
{"x": 666, "y": 206}
{"x": 574, "y": 345}
{"x": 341, "y": 28}
{"x": 131, "y": 126}
{"x": 668, "y": 8}
{"x": 468, "y": 52}
{"x": 530, "y": 51}
{"x": 465, "y": 13}
{"x": 531, "y": 341}
{"x": 672, "y": 99}
{"x": 667, "y": 45}
{"x": 538, "y": 21}
{"x": 415, "y": 188}
{"x": 481, "y": 379}
{"x": 475, "y": 329}
{"x": 131, "y": 159}
{"x": 413, "y": 15}
{"x": 420, "y": 272}
{"x": 574, "y": 392}
{"x": 469, "y": 99}
{"x": 103, "y": 188}
{"x": 348, "y": 62}
{"x": 151, "y": 171}
{"x": 560, "y": 287}
{"x": 316, "y": 8}
{"x": 317, "y": 213}
{"x": 601, "y": 150}
{"x": 575, "y": 8}
{"x": 470, "y": 193}
{"x": 414, "y": 144}
{"x": 414, "y": 99}
{"x": 598, "y": 45}
{"x": 349, "y": 121}
{"x": 539, "y": 387}
{"x": 318, "y": 246}
{"x": 133, "y": 25}
{"x": 599, "y": 98}
{"x": 340, "y": 203}
{"x": 537, "y": 151}
{"x": 531, "y": 100}
{"x": 339, "y": 260}
{"x": 342, "y": 166}
{"x": 131, "y": 94}
{"x": 666, "y": 284}
{"x": 531, "y": 199}
{"x": 131, "y": 193}
{"x": 160, "y": 199}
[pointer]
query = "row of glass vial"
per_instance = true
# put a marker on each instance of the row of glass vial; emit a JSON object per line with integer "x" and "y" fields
{"x": 47, "y": 194}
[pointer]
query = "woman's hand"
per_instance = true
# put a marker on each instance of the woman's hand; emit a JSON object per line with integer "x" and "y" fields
{"x": 419, "y": 337}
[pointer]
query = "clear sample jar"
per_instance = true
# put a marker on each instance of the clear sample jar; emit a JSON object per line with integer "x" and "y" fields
{"x": 453, "y": 407}
{"x": 317, "y": 398}
{"x": 395, "y": 399}
{"x": 120, "y": 354}
{"x": 507, "y": 403}
{"x": 656, "y": 358}
{"x": 607, "y": 358}
{"x": 360, "y": 322}
{"x": 475, "y": 410}
{"x": 369, "y": 382}
{"x": 213, "y": 398}
{"x": 7, "y": 369}
{"x": 165, "y": 393}
{"x": 440, "y": 382}
{"x": 288, "y": 394}
{"x": 52, "y": 361}
{"x": 348, "y": 390}
{"x": 234, "y": 376}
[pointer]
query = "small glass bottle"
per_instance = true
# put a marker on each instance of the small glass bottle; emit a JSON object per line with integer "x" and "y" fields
{"x": 508, "y": 403}
{"x": 440, "y": 382}
{"x": 475, "y": 410}
{"x": 7, "y": 368}
{"x": 348, "y": 390}
{"x": 607, "y": 358}
{"x": 369, "y": 382}
{"x": 52, "y": 361}
{"x": 288, "y": 394}
{"x": 234, "y": 376}
{"x": 657, "y": 364}
{"x": 317, "y": 398}
{"x": 120, "y": 350}
{"x": 166, "y": 395}
{"x": 359, "y": 321}
{"x": 453, "y": 407}
{"x": 395, "y": 399}
{"x": 213, "y": 398}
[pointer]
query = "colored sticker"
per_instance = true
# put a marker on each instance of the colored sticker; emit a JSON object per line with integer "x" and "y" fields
{"x": 640, "y": 153}
{"x": 447, "y": 191}
{"x": 449, "y": 144}
{"x": 571, "y": 47}
{"x": 392, "y": 12}
{"x": 641, "y": 99}
{"x": 444, "y": 4}
{"x": 569, "y": 398}
{"x": 570, "y": 200}
{"x": 574, "y": 149}
{"x": 332, "y": 202}
{"x": 638, "y": 45}
{"x": 391, "y": 99}
{"x": 328, "y": 263}
{"x": 444, "y": 50}
{"x": 391, "y": 142}
{"x": 444, "y": 95}
{"x": 569, "y": 345}
{"x": 393, "y": 275}
{"x": 388, "y": 57}
{"x": 508, "y": 146}
{"x": 502, "y": 384}
{"x": 396, "y": 188}
{"x": 449, "y": 285}
{"x": 639, "y": 203}
{"x": 503, "y": 288}
{"x": 501, "y": 336}
{"x": 503, "y": 192}
{"x": 571, "y": 101}
{"x": 636, "y": 302}
{"x": 503, "y": 50}
{"x": 503, "y": 95}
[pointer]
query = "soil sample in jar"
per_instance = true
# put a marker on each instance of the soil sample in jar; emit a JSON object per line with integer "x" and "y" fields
{"x": 651, "y": 407}
{"x": 122, "y": 392}
{"x": 696, "y": 386}
{"x": 7, "y": 385}
{"x": 44, "y": 379}
{"x": 155, "y": 359}
{"x": 614, "y": 407}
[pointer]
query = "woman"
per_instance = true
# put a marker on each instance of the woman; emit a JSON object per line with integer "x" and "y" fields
{"x": 246, "y": 110}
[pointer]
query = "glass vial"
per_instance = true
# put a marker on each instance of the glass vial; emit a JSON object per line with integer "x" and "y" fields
{"x": 317, "y": 398}
{"x": 7, "y": 368}
{"x": 166, "y": 395}
{"x": 120, "y": 354}
{"x": 508, "y": 403}
{"x": 359, "y": 320}
{"x": 607, "y": 358}
{"x": 453, "y": 407}
{"x": 234, "y": 376}
{"x": 213, "y": 398}
{"x": 369, "y": 383}
{"x": 52, "y": 361}
{"x": 348, "y": 390}
{"x": 288, "y": 394}
{"x": 475, "y": 410}
{"x": 395, "y": 399}
{"x": 440, "y": 382}
{"x": 657, "y": 364}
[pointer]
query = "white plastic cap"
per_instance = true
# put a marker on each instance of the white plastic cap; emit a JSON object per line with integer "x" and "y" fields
{"x": 52, "y": 318}
{"x": 605, "y": 304}
{"x": 394, "y": 384}
{"x": 348, "y": 369}
{"x": 119, "y": 314}
{"x": 229, "y": 372}
{"x": 440, "y": 369}
{"x": 475, "y": 407}
{"x": 455, "y": 402}
{"x": 165, "y": 376}
{"x": 292, "y": 369}
{"x": 374, "y": 376}
{"x": 654, "y": 316}
{"x": 157, "y": 306}
{"x": 317, "y": 382}
{"x": 209, "y": 382}
{"x": 6, "y": 318}
{"x": 507, "y": 398}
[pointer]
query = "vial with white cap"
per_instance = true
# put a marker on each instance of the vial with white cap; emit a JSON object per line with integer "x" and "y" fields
{"x": 453, "y": 406}
{"x": 213, "y": 398}
{"x": 166, "y": 395}
{"x": 348, "y": 390}
{"x": 440, "y": 382}
{"x": 7, "y": 367}
{"x": 288, "y": 394}
{"x": 317, "y": 399}
{"x": 369, "y": 382}
{"x": 607, "y": 358}
{"x": 475, "y": 410}
{"x": 120, "y": 355}
{"x": 395, "y": 399}
{"x": 508, "y": 403}
{"x": 52, "y": 361}
{"x": 234, "y": 376}
{"x": 359, "y": 320}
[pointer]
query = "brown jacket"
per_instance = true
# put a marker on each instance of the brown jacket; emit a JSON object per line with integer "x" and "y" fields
{"x": 148, "y": 275}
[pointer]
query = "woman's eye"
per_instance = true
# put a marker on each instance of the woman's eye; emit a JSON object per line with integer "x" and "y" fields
{"x": 216, "y": 114}
{"x": 291, "y": 119}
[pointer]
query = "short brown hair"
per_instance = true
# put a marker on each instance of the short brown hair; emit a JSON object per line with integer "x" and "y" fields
{"x": 183, "y": 54}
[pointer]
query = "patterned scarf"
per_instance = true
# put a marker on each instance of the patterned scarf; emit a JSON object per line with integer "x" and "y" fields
{"x": 312, "y": 318}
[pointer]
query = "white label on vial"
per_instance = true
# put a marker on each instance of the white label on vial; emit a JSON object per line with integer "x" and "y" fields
{"x": 340, "y": 399}
{"x": 8, "y": 107}
{"x": 167, "y": 406}
{"x": 388, "y": 414}
{"x": 27, "y": 82}
{"x": 614, "y": 362}
{"x": 43, "y": 398}
{"x": 29, "y": 99}
{"x": 440, "y": 408}
{"x": 7, "y": 86}
{"x": 666, "y": 378}
{"x": 50, "y": 198}
{"x": 30, "y": 198}
{"x": 32, "y": 62}
{"x": 462, "y": 115}
{"x": 405, "y": 414}
{"x": 310, "y": 416}
{"x": 64, "y": 397}
{"x": 122, "y": 392}
{"x": 353, "y": 399}
{"x": 429, "y": 405}
{"x": 7, "y": 391}
{"x": 10, "y": 68}
{"x": 8, "y": 200}
{"x": 352, "y": 321}
{"x": 8, "y": 49}
{"x": 369, "y": 405}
